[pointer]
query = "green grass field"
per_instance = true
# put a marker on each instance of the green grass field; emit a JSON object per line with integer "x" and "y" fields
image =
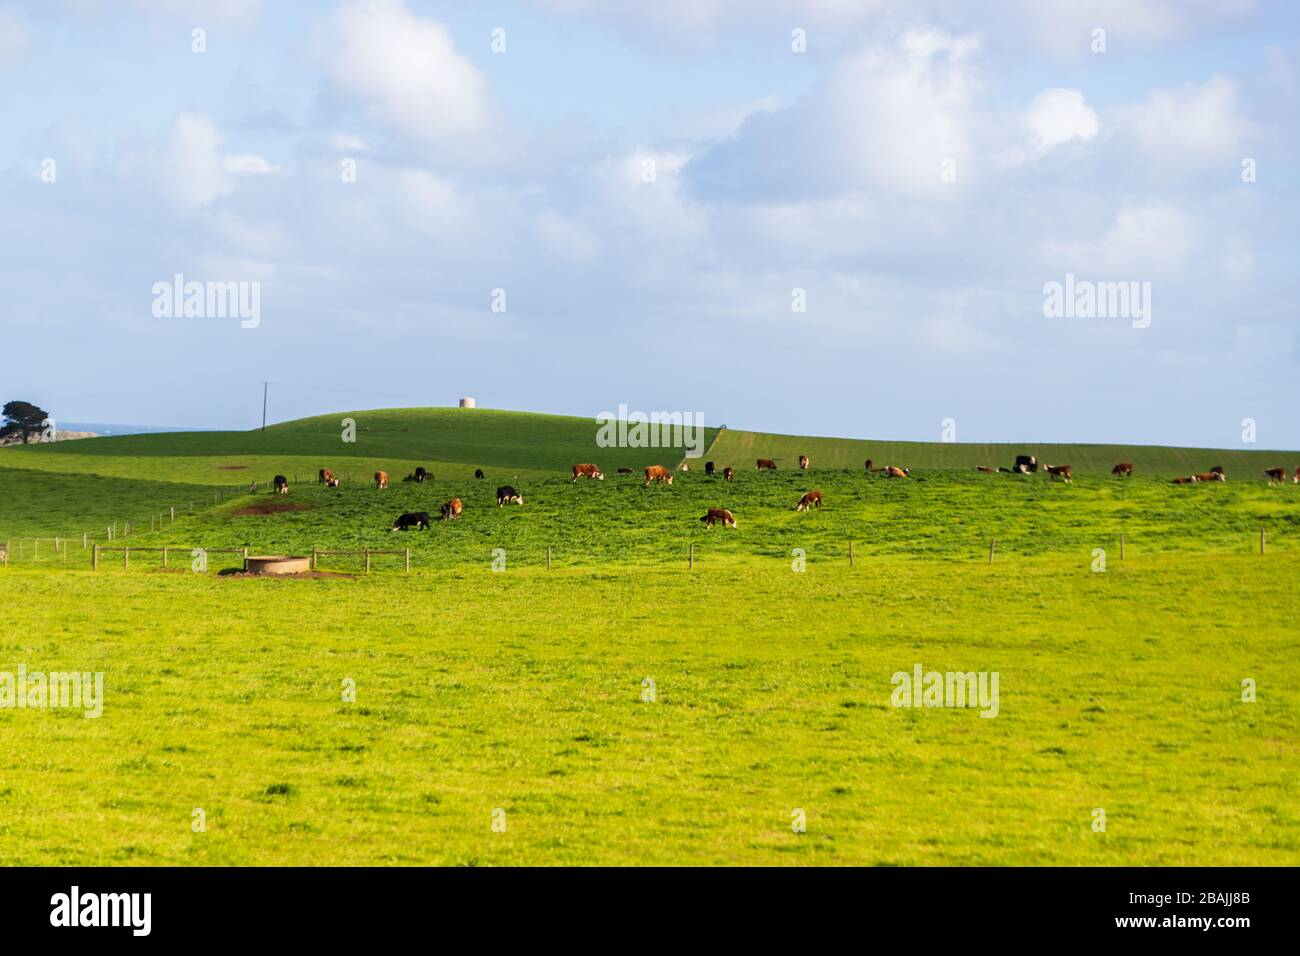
{"x": 522, "y": 690}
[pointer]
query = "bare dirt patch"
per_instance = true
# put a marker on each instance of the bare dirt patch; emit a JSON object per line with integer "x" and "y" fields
{"x": 231, "y": 467}
{"x": 269, "y": 508}
{"x": 238, "y": 573}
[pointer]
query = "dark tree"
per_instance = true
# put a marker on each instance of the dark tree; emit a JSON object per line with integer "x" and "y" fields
{"x": 24, "y": 418}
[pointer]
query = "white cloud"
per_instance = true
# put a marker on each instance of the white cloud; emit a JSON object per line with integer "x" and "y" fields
{"x": 1153, "y": 239}
{"x": 13, "y": 34}
{"x": 1188, "y": 127}
{"x": 404, "y": 72}
{"x": 248, "y": 164}
{"x": 1058, "y": 116}
{"x": 193, "y": 173}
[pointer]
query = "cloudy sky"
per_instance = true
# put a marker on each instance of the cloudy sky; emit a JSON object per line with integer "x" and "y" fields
{"x": 810, "y": 216}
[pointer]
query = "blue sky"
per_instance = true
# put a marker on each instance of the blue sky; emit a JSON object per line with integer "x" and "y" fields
{"x": 649, "y": 184}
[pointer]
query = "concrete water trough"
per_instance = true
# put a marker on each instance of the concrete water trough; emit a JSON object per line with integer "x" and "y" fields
{"x": 276, "y": 564}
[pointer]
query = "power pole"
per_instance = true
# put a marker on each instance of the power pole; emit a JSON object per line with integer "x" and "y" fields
{"x": 264, "y": 386}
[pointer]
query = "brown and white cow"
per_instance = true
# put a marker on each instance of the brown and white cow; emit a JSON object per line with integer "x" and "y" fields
{"x": 381, "y": 479}
{"x": 1189, "y": 480}
{"x": 1124, "y": 469}
{"x": 766, "y": 464}
{"x": 281, "y": 485}
{"x": 1296, "y": 479}
{"x": 719, "y": 514}
{"x": 452, "y": 509}
{"x": 892, "y": 472}
{"x": 331, "y": 482}
{"x": 1058, "y": 471}
{"x": 1212, "y": 476}
{"x": 728, "y": 473}
{"x": 658, "y": 474}
{"x": 587, "y": 471}
{"x": 803, "y": 462}
{"x": 1275, "y": 475}
{"x": 686, "y": 466}
{"x": 421, "y": 474}
{"x": 326, "y": 476}
{"x": 811, "y": 499}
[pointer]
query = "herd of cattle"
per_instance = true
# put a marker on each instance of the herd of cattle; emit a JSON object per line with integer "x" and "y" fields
{"x": 658, "y": 474}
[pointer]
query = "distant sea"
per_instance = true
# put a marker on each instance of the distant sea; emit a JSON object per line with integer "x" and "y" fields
{"x": 100, "y": 428}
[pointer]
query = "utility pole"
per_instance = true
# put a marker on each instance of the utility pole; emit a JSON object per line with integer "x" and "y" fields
{"x": 264, "y": 386}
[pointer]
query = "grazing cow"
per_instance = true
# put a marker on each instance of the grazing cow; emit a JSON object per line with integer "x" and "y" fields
{"x": 1275, "y": 475}
{"x": 728, "y": 473}
{"x": 719, "y": 514}
{"x": 984, "y": 468}
{"x": 331, "y": 482}
{"x": 506, "y": 495}
{"x": 281, "y": 485}
{"x": 381, "y": 479}
{"x": 809, "y": 500}
{"x": 803, "y": 462}
{"x": 587, "y": 471}
{"x": 658, "y": 473}
{"x": 1217, "y": 469}
{"x": 686, "y": 466}
{"x": 326, "y": 476}
{"x": 478, "y": 472}
{"x": 627, "y": 471}
{"x": 1212, "y": 476}
{"x": 452, "y": 509}
{"x": 1058, "y": 471}
{"x": 1296, "y": 479}
{"x": 421, "y": 473}
{"x": 1190, "y": 480}
{"x": 1026, "y": 464}
{"x": 892, "y": 472}
{"x": 708, "y": 468}
{"x": 766, "y": 464}
{"x": 1123, "y": 469}
{"x": 412, "y": 519}
{"x": 871, "y": 465}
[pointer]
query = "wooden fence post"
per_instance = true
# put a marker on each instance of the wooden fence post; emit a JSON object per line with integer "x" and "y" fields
{"x": 993, "y": 544}
{"x": 36, "y": 545}
{"x": 126, "y": 559}
{"x": 548, "y": 557}
{"x": 84, "y": 538}
{"x": 313, "y": 557}
{"x": 6, "y": 554}
{"x": 691, "y": 559}
{"x": 408, "y": 559}
{"x": 94, "y": 558}
{"x": 1261, "y": 540}
{"x": 367, "y": 560}
{"x": 850, "y": 552}
{"x": 164, "y": 555}
{"x": 245, "y": 557}
{"x": 172, "y": 509}
{"x": 151, "y": 524}
{"x": 1121, "y": 546}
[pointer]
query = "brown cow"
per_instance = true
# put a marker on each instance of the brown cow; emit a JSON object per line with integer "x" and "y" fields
{"x": 803, "y": 462}
{"x": 658, "y": 473}
{"x": 809, "y": 500}
{"x": 892, "y": 472}
{"x": 1123, "y": 469}
{"x": 728, "y": 473}
{"x": 1212, "y": 476}
{"x": 1275, "y": 475}
{"x": 766, "y": 464}
{"x": 331, "y": 482}
{"x": 381, "y": 479}
{"x": 452, "y": 509}
{"x": 1296, "y": 479}
{"x": 870, "y": 465}
{"x": 1190, "y": 480}
{"x": 719, "y": 514}
{"x": 587, "y": 471}
{"x": 326, "y": 476}
{"x": 1058, "y": 471}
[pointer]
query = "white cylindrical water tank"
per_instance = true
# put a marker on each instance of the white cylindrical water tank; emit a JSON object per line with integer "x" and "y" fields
{"x": 467, "y": 403}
